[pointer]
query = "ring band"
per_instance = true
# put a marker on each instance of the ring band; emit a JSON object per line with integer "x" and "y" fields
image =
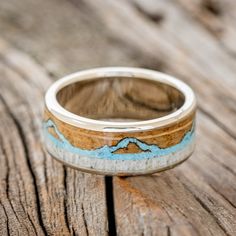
{"x": 120, "y": 121}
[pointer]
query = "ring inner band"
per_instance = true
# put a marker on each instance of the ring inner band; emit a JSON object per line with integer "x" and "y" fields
{"x": 120, "y": 99}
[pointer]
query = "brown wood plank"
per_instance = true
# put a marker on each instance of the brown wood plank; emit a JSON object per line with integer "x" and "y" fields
{"x": 197, "y": 198}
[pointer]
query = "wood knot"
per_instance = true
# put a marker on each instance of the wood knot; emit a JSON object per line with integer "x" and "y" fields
{"x": 212, "y": 7}
{"x": 156, "y": 17}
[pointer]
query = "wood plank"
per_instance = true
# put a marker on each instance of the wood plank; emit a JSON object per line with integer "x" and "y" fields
{"x": 192, "y": 54}
{"x": 38, "y": 195}
{"x": 218, "y": 17}
{"x": 203, "y": 218}
{"x": 60, "y": 36}
{"x": 197, "y": 198}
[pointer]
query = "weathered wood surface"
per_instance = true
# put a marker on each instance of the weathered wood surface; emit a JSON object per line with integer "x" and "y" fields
{"x": 43, "y": 40}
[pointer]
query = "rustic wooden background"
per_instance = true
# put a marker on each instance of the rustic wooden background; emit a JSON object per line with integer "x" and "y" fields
{"x": 41, "y": 41}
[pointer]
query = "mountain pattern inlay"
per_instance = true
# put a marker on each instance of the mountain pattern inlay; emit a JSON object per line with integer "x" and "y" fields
{"x": 114, "y": 152}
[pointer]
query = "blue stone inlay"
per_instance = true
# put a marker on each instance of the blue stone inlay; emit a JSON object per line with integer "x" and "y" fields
{"x": 107, "y": 152}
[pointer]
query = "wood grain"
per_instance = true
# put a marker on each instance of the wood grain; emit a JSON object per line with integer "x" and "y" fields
{"x": 59, "y": 37}
{"x": 38, "y": 195}
{"x": 163, "y": 137}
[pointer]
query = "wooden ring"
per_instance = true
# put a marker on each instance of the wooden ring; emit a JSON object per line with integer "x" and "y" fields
{"x": 120, "y": 121}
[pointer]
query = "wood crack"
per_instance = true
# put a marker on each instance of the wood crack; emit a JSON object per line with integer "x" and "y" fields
{"x": 206, "y": 208}
{"x": 110, "y": 206}
{"x": 154, "y": 17}
{"x": 84, "y": 218}
{"x": 210, "y": 155}
{"x": 20, "y": 201}
{"x": 168, "y": 230}
{"x": 209, "y": 211}
{"x": 217, "y": 122}
{"x": 225, "y": 198}
{"x": 7, "y": 219}
{"x": 6, "y": 166}
{"x": 27, "y": 156}
{"x": 65, "y": 208}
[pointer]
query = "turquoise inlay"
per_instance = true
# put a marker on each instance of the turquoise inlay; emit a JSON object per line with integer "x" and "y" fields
{"x": 107, "y": 152}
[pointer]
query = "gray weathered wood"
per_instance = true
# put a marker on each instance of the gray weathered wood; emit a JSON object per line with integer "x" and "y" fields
{"x": 38, "y": 195}
{"x": 190, "y": 39}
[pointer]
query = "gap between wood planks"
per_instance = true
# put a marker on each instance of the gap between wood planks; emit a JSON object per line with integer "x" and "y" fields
{"x": 108, "y": 181}
{"x": 110, "y": 204}
{"x": 211, "y": 114}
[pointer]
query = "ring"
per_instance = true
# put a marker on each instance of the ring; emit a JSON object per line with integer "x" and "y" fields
{"x": 120, "y": 121}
